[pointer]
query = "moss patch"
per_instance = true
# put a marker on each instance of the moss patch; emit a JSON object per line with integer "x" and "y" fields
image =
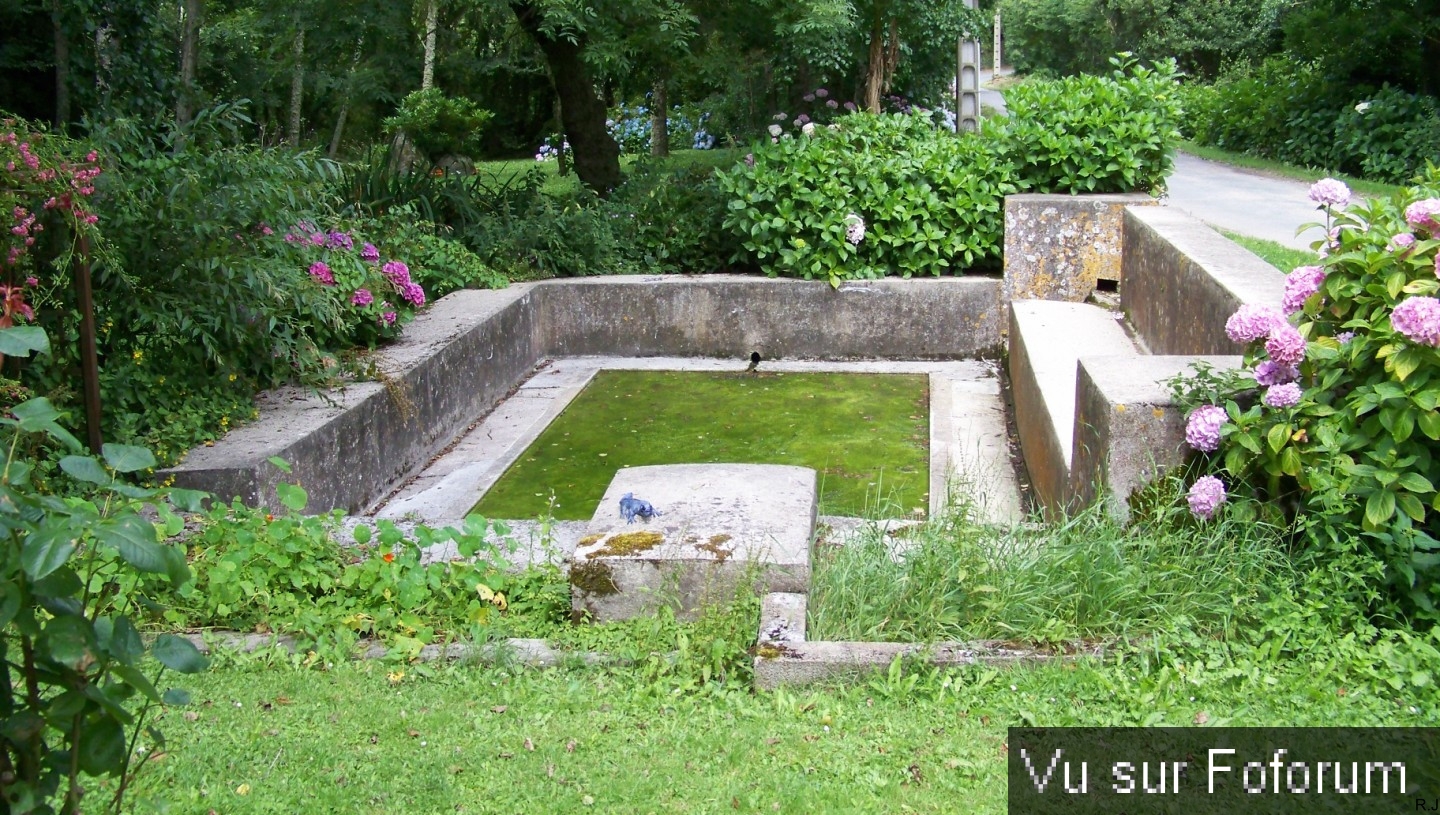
{"x": 867, "y": 435}
{"x": 627, "y": 543}
{"x": 593, "y": 578}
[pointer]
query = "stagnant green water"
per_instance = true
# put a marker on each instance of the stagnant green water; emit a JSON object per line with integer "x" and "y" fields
{"x": 866, "y": 435}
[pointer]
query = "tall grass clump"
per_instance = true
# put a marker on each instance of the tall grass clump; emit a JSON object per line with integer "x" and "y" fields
{"x": 1084, "y": 577}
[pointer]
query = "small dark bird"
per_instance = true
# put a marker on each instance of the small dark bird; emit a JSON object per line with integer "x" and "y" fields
{"x": 754, "y": 362}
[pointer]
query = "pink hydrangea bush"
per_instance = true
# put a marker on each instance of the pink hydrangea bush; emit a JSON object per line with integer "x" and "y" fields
{"x": 377, "y": 296}
{"x": 1335, "y": 426}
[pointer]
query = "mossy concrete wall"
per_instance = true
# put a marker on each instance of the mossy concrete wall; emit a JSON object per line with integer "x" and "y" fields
{"x": 1183, "y": 280}
{"x": 348, "y": 447}
{"x": 466, "y": 353}
{"x": 733, "y": 315}
{"x": 1058, "y": 247}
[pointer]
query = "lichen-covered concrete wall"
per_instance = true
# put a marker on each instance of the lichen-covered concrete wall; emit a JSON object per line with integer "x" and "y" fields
{"x": 1057, "y": 247}
{"x": 733, "y": 315}
{"x": 462, "y": 356}
{"x": 1183, "y": 280}
{"x": 347, "y": 448}
{"x": 1127, "y": 430}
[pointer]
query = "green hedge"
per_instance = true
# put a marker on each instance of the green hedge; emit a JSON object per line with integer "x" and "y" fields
{"x": 932, "y": 202}
{"x": 1291, "y": 112}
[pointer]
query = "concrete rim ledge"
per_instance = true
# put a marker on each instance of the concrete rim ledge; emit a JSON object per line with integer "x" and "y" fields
{"x": 784, "y": 657}
{"x": 348, "y": 448}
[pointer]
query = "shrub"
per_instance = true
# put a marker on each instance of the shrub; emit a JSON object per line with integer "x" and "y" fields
{"x": 1291, "y": 112}
{"x": 672, "y": 214}
{"x": 1094, "y": 134}
{"x": 439, "y": 125}
{"x": 879, "y": 195}
{"x": 76, "y": 683}
{"x": 895, "y": 195}
{"x": 1337, "y": 432}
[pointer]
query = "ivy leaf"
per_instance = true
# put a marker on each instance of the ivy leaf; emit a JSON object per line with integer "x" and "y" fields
{"x": 179, "y": 654}
{"x": 128, "y": 458}
{"x": 20, "y": 340}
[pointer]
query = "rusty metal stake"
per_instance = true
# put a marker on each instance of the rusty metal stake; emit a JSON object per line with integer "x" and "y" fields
{"x": 89, "y": 360}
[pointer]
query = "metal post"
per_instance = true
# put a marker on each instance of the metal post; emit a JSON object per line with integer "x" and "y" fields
{"x": 967, "y": 82}
{"x": 995, "y": 53}
{"x": 89, "y": 360}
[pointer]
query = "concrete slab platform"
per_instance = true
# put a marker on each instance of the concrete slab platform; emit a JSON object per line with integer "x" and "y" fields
{"x": 801, "y": 663}
{"x": 719, "y": 524}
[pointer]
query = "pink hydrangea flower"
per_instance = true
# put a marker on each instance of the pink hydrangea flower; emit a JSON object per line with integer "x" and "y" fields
{"x": 1300, "y": 285}
{"x": 1327, "y": 192}
{"x": 1250, "y": 322}
{"x": 1424, "y": 215}
{"x": 1418, "y": 318}
{"x": 1270, "y": 372}
{"x": 412, "y": 292}
{"x": 1205, "y": 496}
{"x": 370, "y": 253}
{"x": 1202, "y": 428}
{"x": 322, "y": 273}
{"x": 1282, "y": 396}
{"x": 854, "y": 229}
{"x": 1344, "y": 337}
{"x": 1285, "y": 345}
{"x": 388, "y": 318}
{"x": 396, "y": 272}
{"x": 362, "y": 297}
{"x": 1400, "y": 242}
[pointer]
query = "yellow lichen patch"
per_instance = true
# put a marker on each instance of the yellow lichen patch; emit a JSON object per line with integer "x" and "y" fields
{"x": 1119, "y": 408}
{"x": 715, "y": 546}
{"x": 589, "y": 539}
{"x": 1159, "y": 413}
{"x": 628, "y": 543}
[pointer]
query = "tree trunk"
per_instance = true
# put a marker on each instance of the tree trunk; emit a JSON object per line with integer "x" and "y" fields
{"x": 659, "y": 120}
{"x": 345, "y": 103}
{"x": 189, "y": 57}
{"x": 297, "y": 84}
{"x": 62, "y": 67}
{"x": 597, "y": 157}
{"x": 432, "y": 23}
{"x": 875, "y": 66}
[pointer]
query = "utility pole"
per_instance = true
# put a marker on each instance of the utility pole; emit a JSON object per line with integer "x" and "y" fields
{"x": 967, "y": 81}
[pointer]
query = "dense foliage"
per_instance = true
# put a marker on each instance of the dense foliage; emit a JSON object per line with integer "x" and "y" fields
{"x": 76, "y": 678}
{"x": 1293, "y": 112}
{"x": 1339, "y": 436}
{"x": 870, "y": 195}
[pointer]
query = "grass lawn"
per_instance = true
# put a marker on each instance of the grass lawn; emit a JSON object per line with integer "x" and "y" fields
{"x": 488, "y": 740}
{"x": 866, "y": 434}
{"x": 1278, "y": 255}
{"x": 1372, "y": 189}
{"x": 564, "y": 186}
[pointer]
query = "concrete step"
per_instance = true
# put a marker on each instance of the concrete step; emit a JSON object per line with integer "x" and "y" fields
{"x": 1047, "y": 340}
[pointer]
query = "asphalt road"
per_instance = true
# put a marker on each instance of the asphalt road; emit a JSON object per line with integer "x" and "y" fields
{"x": 1241, "y": 201}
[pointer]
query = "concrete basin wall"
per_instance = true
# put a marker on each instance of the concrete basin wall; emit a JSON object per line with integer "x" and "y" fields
{"x": 734, "y": 315}
{"x": 464, "y": 355}
{"x": 1183, "y": 280}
